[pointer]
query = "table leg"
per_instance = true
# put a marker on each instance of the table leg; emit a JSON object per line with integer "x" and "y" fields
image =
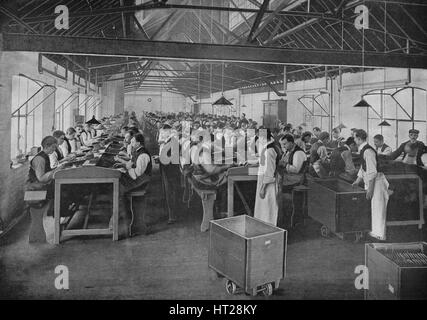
{"x": 208, "y": 205}
{"x": 57, "y": 214}
{"x": 115, "y": 211}
{"x": 230, "y": 197}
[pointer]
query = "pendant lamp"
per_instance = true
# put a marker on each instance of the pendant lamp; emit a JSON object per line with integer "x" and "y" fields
{"x": 384, "y": 124}
{"x": 222, "y": 102}
{"x": 93, "y": 121}
{"x": 362, "y": 104}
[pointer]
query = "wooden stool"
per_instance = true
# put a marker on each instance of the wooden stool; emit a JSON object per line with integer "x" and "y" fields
{"x": 137, "y": 193}
{"x": 37, "y": 233}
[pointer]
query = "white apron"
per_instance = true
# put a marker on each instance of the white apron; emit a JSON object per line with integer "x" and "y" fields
{"x": 379, "y": 207}
{"x": 267, "y": 209}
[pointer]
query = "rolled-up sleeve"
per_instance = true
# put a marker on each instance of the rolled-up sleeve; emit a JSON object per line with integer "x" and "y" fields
{"x": 388, "y": 151}
{"x": 323, "y": 153}
{"x": 270, "y": 167}
{"x": 38, "y": 165}
{"x": 141, "y": 166}
{"x": 298, "y": 161}
{"x": 53, "y": 158}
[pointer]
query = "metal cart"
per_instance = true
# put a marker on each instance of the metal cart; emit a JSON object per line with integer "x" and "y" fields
{"x": 341, "y": 208}
{"x": 249, "y": 253}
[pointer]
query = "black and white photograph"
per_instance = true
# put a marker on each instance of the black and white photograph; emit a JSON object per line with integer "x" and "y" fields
{"x": 219, "y": 155}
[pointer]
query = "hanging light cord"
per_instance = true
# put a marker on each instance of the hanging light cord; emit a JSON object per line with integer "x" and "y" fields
{"x": 198, "y": 79}
{"x": 210, "y": 74}
{"x": 363, "y": 56}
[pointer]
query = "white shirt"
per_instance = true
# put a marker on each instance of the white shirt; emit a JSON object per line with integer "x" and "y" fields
{"x": 86, "y": 138}
{"x": 141, "y": 166}
{"x": 387, "y": 151}
{"x": 75, "y": 145}
{"x": 53, "y": 158}
{"x": 424, "y": 159}
{"x": 371, "y": 166}
{"x": 129, "y": 150}
{"x": 64, "y": 149}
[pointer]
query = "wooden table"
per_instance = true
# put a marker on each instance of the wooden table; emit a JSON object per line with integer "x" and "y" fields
{"x": 86, "y": 175}
{"x": 249, "y": 173}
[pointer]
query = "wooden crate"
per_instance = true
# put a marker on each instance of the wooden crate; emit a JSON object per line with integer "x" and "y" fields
{"x": 339, "y": 206}
{"x": 391, "y": 280}
{"x": 247, "y": 251}
{"x": 405, "y": 206}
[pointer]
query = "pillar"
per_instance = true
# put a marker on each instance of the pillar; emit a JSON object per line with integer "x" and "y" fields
{"x": 48, "y": 111}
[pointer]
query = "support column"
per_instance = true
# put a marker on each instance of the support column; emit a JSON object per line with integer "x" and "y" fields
{"x": 113, "y": 98}
{"x": 48, "y": 111}
{"x": 6, "y": 73}
{"x": 73, "y": 109}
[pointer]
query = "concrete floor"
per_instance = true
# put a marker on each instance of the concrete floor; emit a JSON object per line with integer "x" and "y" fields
{"x": 170, "y": 263}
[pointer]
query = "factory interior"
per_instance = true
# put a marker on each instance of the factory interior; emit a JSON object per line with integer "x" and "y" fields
{"x": 213, "y": 150}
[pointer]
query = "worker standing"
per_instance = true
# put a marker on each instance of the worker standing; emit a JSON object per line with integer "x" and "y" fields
{"x": 413, "y": 138}
{"x": 266, "y": 206}
{"x": 376, "y": 185}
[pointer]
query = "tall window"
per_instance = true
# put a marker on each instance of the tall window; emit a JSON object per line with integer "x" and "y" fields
{"x": 64, "y": 100}
{"x": 236, "y": 18}
{"x": 27, "y": 100}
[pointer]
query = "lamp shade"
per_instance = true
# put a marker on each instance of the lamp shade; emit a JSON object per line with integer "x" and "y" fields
{"x": 93, "y": 121}
{"x": 222, "y": 102}
{"x": 362, "y": 104}
{"x": 384, "y": 124}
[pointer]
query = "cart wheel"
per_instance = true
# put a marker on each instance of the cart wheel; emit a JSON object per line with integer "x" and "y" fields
{"x": 268, "y": 290}
{"x": 358, "y": 237}
{"x": 324, "y": 231}
{"x": 231, "y": 287}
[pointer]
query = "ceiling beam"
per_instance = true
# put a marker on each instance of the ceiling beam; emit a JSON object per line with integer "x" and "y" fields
{"x": 291, "y": 31}
{"x": 175, "y": 7}
{"x": 258, "y": 19}
{"x": 286, "y": 5}
{"x": 169, "y": 50}
{"x": 305, "y": 24}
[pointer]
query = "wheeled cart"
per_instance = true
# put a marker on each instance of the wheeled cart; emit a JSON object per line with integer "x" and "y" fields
{"x": 396, "y": 271}
{"x": 341, "y": 208}
{"x": 249, "y": 253}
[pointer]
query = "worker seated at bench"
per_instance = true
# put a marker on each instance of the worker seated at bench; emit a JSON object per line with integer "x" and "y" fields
{"x": 342, "y": 161}
{"x": 206, "y": 175}
{"x": 136, "y": 175}
{"x": 58, "y": 156}
{"x": 126, "y": 151}
{"x": 319, "y": 157}
{"x": 40, "y": 178}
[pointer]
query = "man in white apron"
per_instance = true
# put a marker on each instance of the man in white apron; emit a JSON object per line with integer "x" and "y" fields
{"x": 266, "y": 206}
{"x": 376, "y": 185}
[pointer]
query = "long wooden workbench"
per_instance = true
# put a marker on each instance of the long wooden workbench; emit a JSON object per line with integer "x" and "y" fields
{"x": 93, "y": 171}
